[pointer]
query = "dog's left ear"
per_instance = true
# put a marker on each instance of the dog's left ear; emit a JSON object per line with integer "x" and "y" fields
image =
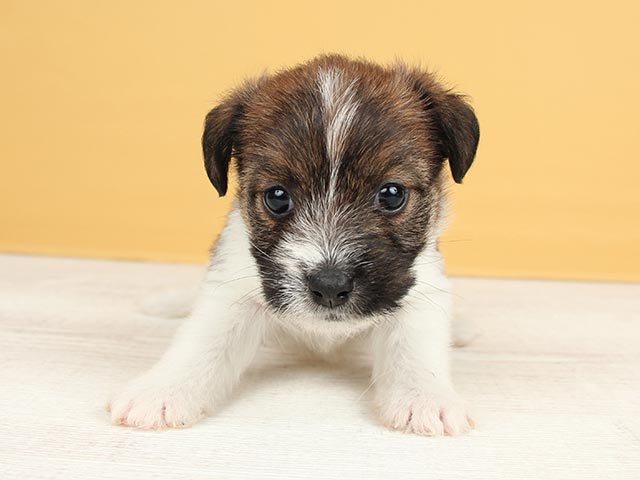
{"x": 455, "y": 123}
{"x": 221, "y": 129}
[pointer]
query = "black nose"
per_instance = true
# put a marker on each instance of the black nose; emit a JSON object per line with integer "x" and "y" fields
{"x": 330, "y": 287}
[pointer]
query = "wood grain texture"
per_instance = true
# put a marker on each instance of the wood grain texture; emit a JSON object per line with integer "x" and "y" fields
{"x": 553, "y": 378}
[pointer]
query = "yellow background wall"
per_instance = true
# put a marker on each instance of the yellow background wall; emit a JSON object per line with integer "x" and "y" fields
{"x": 102, "y": 104}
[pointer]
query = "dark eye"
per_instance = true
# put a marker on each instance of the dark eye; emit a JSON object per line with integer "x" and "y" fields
{"x": 391, "y": 197}
{"x": 278, "y": 201}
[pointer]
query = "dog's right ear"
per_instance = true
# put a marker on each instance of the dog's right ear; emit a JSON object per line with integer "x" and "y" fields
{"x": 220, "y": 136}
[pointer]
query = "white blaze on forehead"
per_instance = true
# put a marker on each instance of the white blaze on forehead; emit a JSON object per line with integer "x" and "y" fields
{"x": 320, "y": 234}
{"x": 339, "y": 106}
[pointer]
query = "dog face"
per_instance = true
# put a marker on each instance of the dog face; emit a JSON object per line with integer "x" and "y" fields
{"x": 340, "y": 179}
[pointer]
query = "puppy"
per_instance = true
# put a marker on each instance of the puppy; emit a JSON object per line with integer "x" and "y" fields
{"x": 333, "y": 238}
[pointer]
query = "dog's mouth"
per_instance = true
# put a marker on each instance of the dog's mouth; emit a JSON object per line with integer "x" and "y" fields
{"x": 330, "y": 297}
{"x": 336, "y": 314}
{"x": 305, "y": 307}
{"x": 298, "y": 300}
{"x": 333, "y": 317}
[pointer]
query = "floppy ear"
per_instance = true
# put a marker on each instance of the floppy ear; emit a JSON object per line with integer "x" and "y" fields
{"x": 220, "y": 136}
{"x": 455, "y": 123}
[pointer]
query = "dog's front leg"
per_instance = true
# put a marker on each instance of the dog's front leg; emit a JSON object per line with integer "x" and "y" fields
{"x": 212, "y": 348}
{"x": 206, "y": 358}
{"x": 413, "y": 388}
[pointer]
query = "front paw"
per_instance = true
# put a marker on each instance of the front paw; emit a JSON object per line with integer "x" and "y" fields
{"x": 152, "y": 405}
{"x": 436, "y": 411}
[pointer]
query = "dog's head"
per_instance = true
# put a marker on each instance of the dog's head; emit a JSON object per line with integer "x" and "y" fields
{"x": 339, "y": 165}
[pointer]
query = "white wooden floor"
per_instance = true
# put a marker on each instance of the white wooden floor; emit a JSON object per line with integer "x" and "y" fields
{"x": 554, "y": 378}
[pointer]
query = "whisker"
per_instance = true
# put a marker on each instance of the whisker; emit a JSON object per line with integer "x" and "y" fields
{"x": 249, "y": 294}
{"x": 235, "y": 280}
{"x": 456, "y": 240}
{"x": 422, "y": 282}
{"x": 431, "y": 301}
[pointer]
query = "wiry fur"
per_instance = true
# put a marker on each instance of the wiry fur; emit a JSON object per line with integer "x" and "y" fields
{"x": 332, "y": 132}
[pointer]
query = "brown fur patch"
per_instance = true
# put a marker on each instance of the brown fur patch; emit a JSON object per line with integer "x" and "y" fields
{"x": 398, "y": 125}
